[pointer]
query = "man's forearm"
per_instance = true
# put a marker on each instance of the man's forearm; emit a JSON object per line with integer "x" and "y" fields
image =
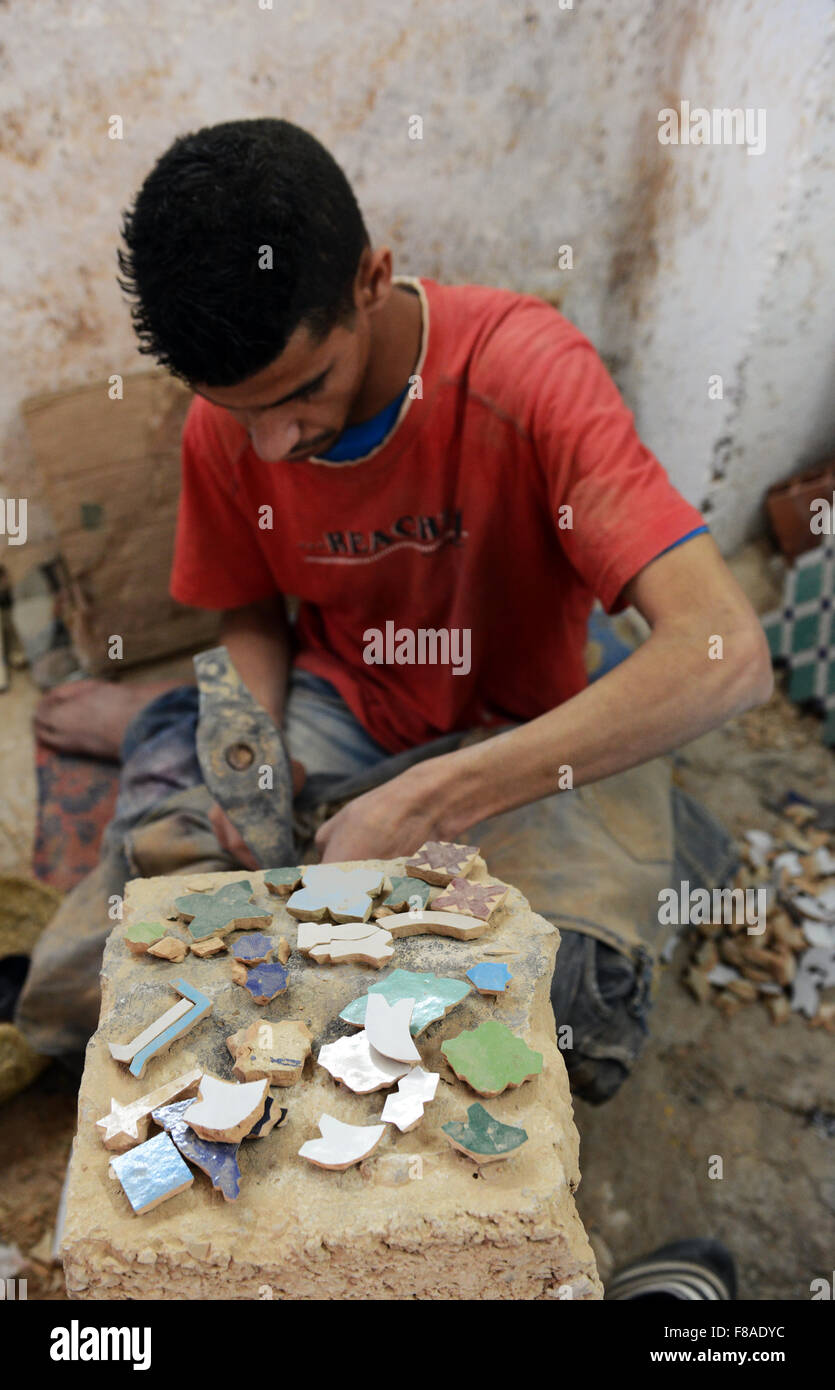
{"x": 664, "y": 695}
{"x": 258, "y": 641}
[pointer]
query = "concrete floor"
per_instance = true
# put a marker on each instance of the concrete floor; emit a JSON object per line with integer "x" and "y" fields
{"x": 760, "y": 1097}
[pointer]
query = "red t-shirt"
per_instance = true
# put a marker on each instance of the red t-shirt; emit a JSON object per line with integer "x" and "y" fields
{"x": 458, "y": 520}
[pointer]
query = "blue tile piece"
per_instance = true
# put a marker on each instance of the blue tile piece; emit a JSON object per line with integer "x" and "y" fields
{"x": 202, "y": 1006}
{"x": 254, "y": 947}
{"x": 264, "y": 982}
{"x": 490, "y": 977}
{"x": 152, "y": 1172}
{"x": 255, "y": 1132}
{"x": 218, "y": 1161}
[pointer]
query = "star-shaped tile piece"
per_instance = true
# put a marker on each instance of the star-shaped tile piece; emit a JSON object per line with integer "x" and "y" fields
{"x": 434, "y": 996}
{"x": 404, "y": 1107}
{"x": 483, "y": 1138}
{"x": 274, "y": 1052}
{"x": 264, "y": 982}
{"x": 229, "y": 908}
{"x": 490, "y": 977}
{"x": 127, "y": 1125}
{"x": 490, "y": 1058}
{"x": 438, "y": 861}
{"x": 473, "y": 899}
{"x": 343, "y": 895}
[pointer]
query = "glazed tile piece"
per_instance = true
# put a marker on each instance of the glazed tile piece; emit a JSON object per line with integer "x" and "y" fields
{"x": 434, "y": 997}
{"x": 341, "y": 1145}
{"x": 140, "y": 935}
{"x": 218, "y": 1161}
{"x": 274, "y": 1052}
{"x": 282, "y": 882}
{"x": 253, "y": 949}
{"x": 127, "y": 1125}
{"x": 355, "y": 1063}
{"x": 229, "y": 908}
{"x": 151, "y": 1173}
{"x": 407, "y": 895}
{"x": 387, "y": 1027}
{"x": 404, "y": 1107}
{"x": 483, "y": 1138}
{"x": 473, "y": 899}
{"x": 330, "y": 943}
{"x": 264, "y": 982}
{"x": 226, "y": 1110}
{"x": 343, "y": 895}
{"x": 455, "y": 924}
{"x": 159, "y": 1035}
{"x": 490, "y": 1058}
{"x": 440, "y": 862}
{"x": 273, "y": 1118}
{"x": 490, "y": 977}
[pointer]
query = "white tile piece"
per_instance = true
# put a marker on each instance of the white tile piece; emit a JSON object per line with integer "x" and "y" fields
{"x": 722, "y": 974}
{"x": 404, "y": 1107}
{"x": 375, "y": 950}
{"x": 125, "y": 1052}
{"x": 824, "y": 861}
{"x": 226, "y": 1110}
{"x": 790, "y": 861}
{"x": 818, "y": 933}
{"x": 759, "y": 843}
{"x": 355, "y": 1063}
{"x": 387, "y": 1026}
{"x": 341, "y": 1145}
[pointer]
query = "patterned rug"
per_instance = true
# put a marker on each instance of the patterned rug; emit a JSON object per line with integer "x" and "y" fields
{"x": 76, "y": 797}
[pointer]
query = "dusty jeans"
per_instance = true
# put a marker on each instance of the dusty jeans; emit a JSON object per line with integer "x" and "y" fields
{"x": 592, "y": 861}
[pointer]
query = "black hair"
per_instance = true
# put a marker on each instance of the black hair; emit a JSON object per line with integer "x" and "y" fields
{"x": 203, "y": 307}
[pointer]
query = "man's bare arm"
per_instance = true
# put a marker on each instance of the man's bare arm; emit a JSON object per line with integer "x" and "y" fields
{"x": 665, "y": 694}
{"x": 257, "y": 638}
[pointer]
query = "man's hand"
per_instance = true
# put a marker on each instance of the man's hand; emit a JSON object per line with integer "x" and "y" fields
{"x": 391, "y": 820}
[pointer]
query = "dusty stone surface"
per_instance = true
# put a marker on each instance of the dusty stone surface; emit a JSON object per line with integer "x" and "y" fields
{"x": 415, "y": 1220}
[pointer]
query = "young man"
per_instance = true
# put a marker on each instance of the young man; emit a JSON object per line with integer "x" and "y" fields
{"x": 403, "y": 458}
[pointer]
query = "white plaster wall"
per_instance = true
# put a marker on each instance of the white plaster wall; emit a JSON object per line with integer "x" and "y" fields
{"x": 540, "y": 129}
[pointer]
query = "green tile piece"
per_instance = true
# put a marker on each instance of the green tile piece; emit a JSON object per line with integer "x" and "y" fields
{"x": 225, "y": 910}
{"x": 287, "y": 879}
{"x": 490, "y": 1058}
{"x": 806, "y": 633}
{"x": 808, "y": 583}
{"x": 484, "y": 1138}
{"x": 402, "y": 889}
{"x": 802, "y": 682}
{"x": 434, "y": 997}
{"x": 149, "y": 932}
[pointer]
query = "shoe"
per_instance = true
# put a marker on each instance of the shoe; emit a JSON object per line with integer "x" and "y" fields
{"x": 686, "y": 1270}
